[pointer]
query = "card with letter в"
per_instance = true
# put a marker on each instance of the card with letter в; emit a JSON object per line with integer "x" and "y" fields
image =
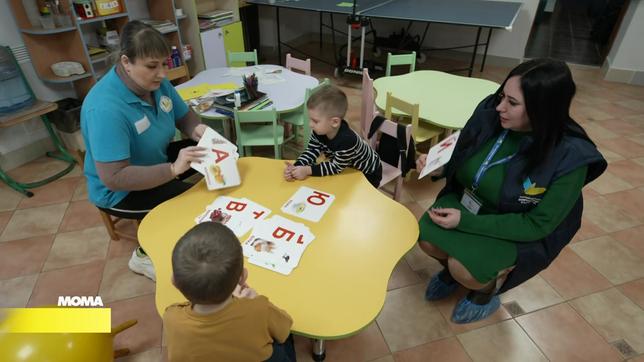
{"x": 239, "y": 215}
{"x": 277, "y": 244}
{"x": 308, "y": 203}
{"x": 219, "y": 165}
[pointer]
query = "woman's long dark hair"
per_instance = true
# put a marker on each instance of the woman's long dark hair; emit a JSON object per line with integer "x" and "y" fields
{"x": 548, "y": 90}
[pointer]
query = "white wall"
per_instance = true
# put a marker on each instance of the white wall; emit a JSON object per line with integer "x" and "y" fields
{"x": 26, "y": 133}
{"x": 504, "y": 43}
{"x": 628, "y": 48}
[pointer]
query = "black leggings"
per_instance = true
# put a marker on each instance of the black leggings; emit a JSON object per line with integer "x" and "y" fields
{"x": 138, "y": 203}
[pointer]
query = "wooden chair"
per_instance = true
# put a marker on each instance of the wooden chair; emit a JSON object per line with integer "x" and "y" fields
{"x": 421, "y": 131}
{"x": 300, "y": 117}
{"x": 38, "y": 109}
{"x": 303, "y": 66}
{"x": 242, "y": 57}
{"x": 111, "y": 224}
{"x": 368, "y": 107}
{"x": 258, "y": 128}
{"x": 401, "y": 59}
{"x": 389, "y": 172}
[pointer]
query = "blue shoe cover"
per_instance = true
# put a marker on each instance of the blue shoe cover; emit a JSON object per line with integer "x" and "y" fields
{"x": 467, "y": 311}
{"x": 438, "y": 289}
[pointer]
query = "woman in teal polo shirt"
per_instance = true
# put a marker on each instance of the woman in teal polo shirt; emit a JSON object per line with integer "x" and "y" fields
{"x": 128, "y": 120}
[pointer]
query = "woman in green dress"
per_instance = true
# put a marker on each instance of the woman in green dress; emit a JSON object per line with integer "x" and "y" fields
{"x": 512, "y": 198}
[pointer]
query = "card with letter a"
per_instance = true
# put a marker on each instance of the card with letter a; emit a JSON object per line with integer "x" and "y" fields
{"x": 308, "y": 203}
{"x": 219, "y": 165}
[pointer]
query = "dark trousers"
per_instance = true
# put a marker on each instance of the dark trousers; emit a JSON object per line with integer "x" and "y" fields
{"x": 283, "y": 352}
{"x": 375, "y": 177}
{"x": 138, "y": 203}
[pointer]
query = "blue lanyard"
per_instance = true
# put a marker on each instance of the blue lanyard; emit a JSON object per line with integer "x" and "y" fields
{"x": 486, "y": 165}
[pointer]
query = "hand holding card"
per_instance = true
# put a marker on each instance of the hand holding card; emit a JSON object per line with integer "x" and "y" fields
{"x": 219, "y": 165}
{"x": 440, "y": 154}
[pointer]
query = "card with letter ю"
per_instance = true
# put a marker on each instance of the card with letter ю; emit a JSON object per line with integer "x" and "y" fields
{"x": 219, "y": 165}
{"x": 239, "y": 215}
{"x": 308, "y": 203}
{"x": 277, "y": 244}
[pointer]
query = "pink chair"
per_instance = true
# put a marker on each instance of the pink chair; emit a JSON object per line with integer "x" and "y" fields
{"x": 368, "y": 109}
{"x": 389, "y": 172}
{"x": 298, "y": 64}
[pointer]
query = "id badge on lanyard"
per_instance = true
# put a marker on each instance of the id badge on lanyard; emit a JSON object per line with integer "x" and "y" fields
{"x": 469, "y": 200}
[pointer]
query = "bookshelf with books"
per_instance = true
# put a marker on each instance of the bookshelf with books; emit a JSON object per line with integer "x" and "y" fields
{"x": 228, "y": 30}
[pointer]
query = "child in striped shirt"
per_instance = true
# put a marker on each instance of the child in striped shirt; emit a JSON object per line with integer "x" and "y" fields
{"x": 332, "y": 136}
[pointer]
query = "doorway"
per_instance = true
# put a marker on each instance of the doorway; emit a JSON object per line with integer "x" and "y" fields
{"x": 575, "y": 31}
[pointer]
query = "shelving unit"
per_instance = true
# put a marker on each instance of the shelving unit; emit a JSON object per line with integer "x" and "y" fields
{"x": 49, "y": 46}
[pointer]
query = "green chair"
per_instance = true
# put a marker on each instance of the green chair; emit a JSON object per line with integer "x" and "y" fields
{"x": 300, "y": 117}
{"x": 38, "y": 109}
{"x": 258, "y": 128}
{"x": 401, "y": 59}
{"x": 243, "y": 57}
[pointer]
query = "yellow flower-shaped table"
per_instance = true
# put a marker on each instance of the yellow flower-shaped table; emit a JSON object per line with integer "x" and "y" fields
{"x": 340, "y": 284}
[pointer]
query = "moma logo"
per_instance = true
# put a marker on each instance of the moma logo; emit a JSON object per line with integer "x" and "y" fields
{"x": 76, "y": 301}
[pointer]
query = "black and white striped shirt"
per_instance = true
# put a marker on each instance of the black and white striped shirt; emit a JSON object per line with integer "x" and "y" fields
{"x": 346, "y": 149}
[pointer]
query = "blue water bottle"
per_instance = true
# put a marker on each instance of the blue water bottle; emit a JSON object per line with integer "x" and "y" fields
{"x": 176, "y": 57}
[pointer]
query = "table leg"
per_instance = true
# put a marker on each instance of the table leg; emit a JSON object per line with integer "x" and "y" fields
{"x": 476, "y": 46}
{"x": 319, "y": 351}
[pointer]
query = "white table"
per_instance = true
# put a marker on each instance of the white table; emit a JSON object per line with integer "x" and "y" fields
{"x": 286, "y": 89}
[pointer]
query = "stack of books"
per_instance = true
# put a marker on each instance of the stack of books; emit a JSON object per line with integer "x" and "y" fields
{"x": 215, "y": 18}
{"x": 163, "y": 26}
{"x": 226, "y": 104}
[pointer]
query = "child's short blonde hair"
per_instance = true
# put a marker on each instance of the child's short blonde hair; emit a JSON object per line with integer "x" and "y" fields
{"x": 330, "y": 101}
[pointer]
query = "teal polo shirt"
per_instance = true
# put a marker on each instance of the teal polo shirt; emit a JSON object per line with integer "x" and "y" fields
{"x": 117, "y": 125}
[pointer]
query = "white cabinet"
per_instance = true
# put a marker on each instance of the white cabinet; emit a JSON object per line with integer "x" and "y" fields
{"x": 214, "y": 50}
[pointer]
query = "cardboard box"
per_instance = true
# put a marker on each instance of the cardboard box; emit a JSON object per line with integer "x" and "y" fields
{"x": 107, "y": 7}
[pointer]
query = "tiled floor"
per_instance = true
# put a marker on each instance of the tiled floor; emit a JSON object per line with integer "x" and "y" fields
{"x": 587, "y": 306}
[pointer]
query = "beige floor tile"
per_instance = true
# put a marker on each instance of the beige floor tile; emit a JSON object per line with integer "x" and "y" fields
{"x": 632, "y": 238}
{"x": 34, "y": 222}
{"x": 588, "y": 230}
{"x": 77, "y": 247}
{"x": 56, "y": 192}
{"x": 572, "y": 277}
{"x": 446, "y": 307}
{"x": 15, "y": 293}
{"x": 151, "y": 355}
{"x": 444, "y": 350}
{"x": 608, "y": 183}
{"x": 402, "y": 276}
{"x": 77, "y": 280}
{"x": 639, "y": 358}
{"x": 42, "y": 168}
{"x": 407, "y": 320}
{"x": 81, "y": 191}
{"x": 9, "y": 198}
{"x": 621, "y": 127}
{"x": 532, "y": 295}
{"x": 623, "y": 146}
{"x": 607, "y": 215}
{"x": 4, "y": 219}
{"x": 80, "y": 215}
{"x": 504, "y": 341}
{"x": 367, "y": 345}
{"x": 119, "y": 282}
{"x": 122, "y": 247}
{"x": 563, "y": 335}
{"x": 634, "y": 290}
{"x": 387, "y": 358}
{"x": 630, "y": 202}
{"x": 423, "y": 191}
{"x": 609, "y": 155}
{"x": 614, "y": 316}
{"x": 596, "y": 131}
{"x": 615, "y": 261}
{"x": 629, "y": 171}
{"x": 24, "y": 257}
{"x": 146, "y": 334}
{"x": 418, "y": 260}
